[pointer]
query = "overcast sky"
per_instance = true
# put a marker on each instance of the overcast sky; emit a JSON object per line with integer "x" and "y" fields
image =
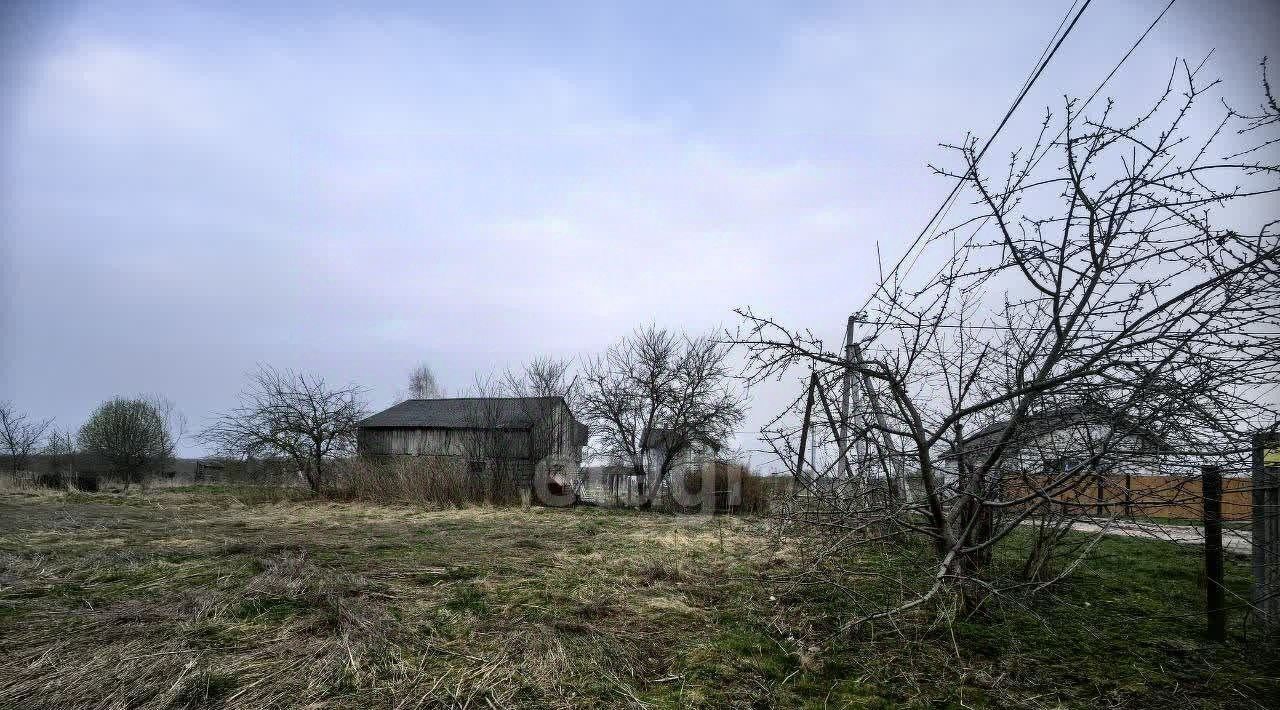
{"x": 188, "y": 190}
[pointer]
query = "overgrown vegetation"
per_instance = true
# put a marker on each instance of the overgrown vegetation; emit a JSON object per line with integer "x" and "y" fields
{"x": 747, "y": 493}
{"x": 293, "y": 416}
{"x": 437, "y": 481}
{"x": 1106, "y": 309}
{"x": 136, "y": 436}
{"x": 254, "y": 597}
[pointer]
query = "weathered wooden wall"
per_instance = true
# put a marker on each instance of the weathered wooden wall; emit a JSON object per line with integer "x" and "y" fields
{"x": 466, "y": 443}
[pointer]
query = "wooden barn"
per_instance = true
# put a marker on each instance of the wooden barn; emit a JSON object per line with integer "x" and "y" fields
{"x": 510, "y": 434}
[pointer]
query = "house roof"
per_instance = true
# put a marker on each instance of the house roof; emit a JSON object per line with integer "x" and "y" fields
{"x": 470, "y": 413}
{"x": 1037, "y": 424}
{"x": 465, "y": 413}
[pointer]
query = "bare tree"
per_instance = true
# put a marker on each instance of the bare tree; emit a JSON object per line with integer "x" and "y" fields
{"x": 175, "y": 422}
{"x": 60, "y": 450}
{"x": 546, "y": 377}
{"x": 659, "y": 385}
{"x": 423, "y": 384}
{"x": 542, "y": 385}
{"x": 293, "y": 416}
{"x": 490, "y": 448}
{"x": 1109, "y": 310}
{"x": 20, "y": 435}
{"x": 136, "y": 437}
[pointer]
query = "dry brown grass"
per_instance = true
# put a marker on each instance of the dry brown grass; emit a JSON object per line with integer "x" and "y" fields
{"x": 181, "y": 600}
{"x": 19, "y": 482}
{"x": 441, "y": 481}
{"x": 261, "y": 597}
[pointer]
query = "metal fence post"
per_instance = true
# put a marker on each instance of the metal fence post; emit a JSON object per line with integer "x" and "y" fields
{"x": 1266, "y": 532}
{"x": 1215, "y": 611}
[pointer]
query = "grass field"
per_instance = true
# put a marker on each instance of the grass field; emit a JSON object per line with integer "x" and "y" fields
{"x": 247, "y": 599}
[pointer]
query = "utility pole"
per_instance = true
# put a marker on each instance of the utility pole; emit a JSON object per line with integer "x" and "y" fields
{"x": 895, "y": 471}
{"x": 846, "y": 393}
{"x": 804, "y": 427}
{"x": 813, "y": 455}
{"x": 851, "y": 406}
{"x": 815, "y": 383}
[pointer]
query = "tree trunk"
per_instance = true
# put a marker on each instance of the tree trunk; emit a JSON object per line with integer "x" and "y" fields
{"x": 304, "y": 467}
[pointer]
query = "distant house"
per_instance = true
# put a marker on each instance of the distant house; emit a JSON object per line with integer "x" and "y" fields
{"x": 688, "y": 455}
{"x": 1106, "y": 458}
{"x": 690, "y": 460}
{"x": 488, "y": 435}
{"x": 1063, "y": 439}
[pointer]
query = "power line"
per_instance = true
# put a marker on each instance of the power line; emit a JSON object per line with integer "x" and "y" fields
{"x": 1125, "y": 58}
{"x": 1049, "y": 44}
{"x": 1029, "y": 329}
{"x": 950, "y": 201}
{"x": 1026, "y": 88}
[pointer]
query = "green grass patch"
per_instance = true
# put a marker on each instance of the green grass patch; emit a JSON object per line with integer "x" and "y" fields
{"x": 467, "y": 597}
{"x": 205, "y": 689}
{"x": 271, "y": 609}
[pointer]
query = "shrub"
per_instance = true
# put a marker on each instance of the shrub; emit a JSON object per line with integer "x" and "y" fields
{"x": 136, "y": 437}
{"x": 754, "y": 492}
{"x": 431, "y": 480}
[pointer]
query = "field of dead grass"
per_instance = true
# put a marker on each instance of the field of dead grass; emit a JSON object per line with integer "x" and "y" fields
{"x": 200, "y": 599}
{"x": 253, "y": 598}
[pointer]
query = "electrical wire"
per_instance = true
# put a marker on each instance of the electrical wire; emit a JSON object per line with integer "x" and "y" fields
{"x": 950, "y": 201}
{"x": 1026, "y": 88}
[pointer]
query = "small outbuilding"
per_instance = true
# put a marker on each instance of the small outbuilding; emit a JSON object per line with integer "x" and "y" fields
{"x": 513, "y": 435}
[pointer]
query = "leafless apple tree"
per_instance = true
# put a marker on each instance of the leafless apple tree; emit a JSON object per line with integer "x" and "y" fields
{"x": 659, "y": 384}
{"x": 60, "y": 451}
{"x": 1107, "y": 304}
{"x": 294, "y": 416}
{"x": 539, "y": 386}
{"x": 546, "y": 376}
{"x": 498, "y": 448}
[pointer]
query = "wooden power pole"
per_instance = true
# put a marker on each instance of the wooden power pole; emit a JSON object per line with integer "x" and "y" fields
{"x": 851, "y": 398}
{"x": 846, "y": 394}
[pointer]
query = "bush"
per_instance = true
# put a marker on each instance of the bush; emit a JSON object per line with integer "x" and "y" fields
{"x": 431, "y": 480}
{"x": 58, "y": 481}
{"x": 754, "y": 492}
{"x": 758, "y": 492}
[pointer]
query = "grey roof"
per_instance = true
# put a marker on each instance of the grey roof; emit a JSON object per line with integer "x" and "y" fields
{"x": 1037, "y": 423}
{"x": 1040, "y": 423}
{"x": 465, "y": 413}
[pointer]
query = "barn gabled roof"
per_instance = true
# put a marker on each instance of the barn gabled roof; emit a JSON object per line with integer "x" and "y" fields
{"x": 466, "y": 413}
